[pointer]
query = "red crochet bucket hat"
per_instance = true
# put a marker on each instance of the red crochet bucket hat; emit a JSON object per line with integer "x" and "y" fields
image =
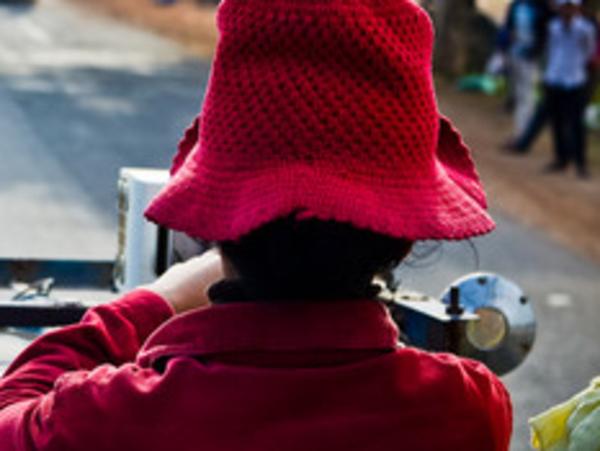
{"x": 325, "y": 108}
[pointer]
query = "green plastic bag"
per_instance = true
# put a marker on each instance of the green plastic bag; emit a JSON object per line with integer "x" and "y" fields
{"x": 573, "y": 425}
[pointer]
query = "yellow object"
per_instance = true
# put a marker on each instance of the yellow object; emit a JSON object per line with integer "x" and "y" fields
{"x": 573, "y": 425}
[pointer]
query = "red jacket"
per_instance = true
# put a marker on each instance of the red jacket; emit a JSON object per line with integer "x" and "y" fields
{"x": 248, "y": 376}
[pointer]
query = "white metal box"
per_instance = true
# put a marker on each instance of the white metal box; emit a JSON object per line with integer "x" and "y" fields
{"x": 138, "y": 238}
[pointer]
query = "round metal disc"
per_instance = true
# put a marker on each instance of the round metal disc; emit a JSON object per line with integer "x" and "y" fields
{"x": 505, "y": 332}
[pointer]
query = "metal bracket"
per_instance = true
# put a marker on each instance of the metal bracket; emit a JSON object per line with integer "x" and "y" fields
{"x": 40, "y": 313}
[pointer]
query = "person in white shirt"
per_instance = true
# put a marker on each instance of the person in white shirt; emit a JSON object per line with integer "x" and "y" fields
{"x": 571, "y": 47}
{"x": 525, "y": 27}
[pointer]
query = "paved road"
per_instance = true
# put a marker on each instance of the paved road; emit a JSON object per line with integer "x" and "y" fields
{"x": 81, "y": 97}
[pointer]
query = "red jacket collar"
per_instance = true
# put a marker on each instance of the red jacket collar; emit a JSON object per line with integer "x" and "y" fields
{"x": 256, "y": 326}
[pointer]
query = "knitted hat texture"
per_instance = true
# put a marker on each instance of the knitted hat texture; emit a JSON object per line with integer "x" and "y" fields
{"x": 325, "y": 108}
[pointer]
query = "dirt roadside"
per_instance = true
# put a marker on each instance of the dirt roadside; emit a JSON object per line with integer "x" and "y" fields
{"x": 567, "y": 209}
{"x": 186, "y": 21}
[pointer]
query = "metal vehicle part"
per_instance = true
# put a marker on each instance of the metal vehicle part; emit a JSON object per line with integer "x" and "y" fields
{"x": 138, "y": 247}
{"x": 145, "y": 251}
{"x": 482, "y": 316}
{"x": 505, "y": 331}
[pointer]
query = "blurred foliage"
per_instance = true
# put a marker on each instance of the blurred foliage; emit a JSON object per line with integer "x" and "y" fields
{"x": 484, "y": 83}
{"x": 464, "y": 37}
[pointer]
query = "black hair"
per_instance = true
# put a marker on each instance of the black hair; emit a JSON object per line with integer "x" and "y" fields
{"x": 291, "y": 259}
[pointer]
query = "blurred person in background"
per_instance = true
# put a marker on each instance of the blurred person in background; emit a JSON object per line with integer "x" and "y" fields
{"x": 524, "y": 38}
{"x": 571, "y": 49}
{"x": 319, "y": 157}
{"x": 523, "y": 143}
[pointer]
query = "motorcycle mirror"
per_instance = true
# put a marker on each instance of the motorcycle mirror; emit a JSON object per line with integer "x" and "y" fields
{"x": 504, "y": 332}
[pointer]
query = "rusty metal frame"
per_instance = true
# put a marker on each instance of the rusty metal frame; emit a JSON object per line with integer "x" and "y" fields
{"x": 43, "y": 310}
{"x": 72, "y": 274}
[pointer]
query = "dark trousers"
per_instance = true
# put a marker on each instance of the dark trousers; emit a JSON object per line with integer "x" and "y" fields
{"x": 566, "y": 109}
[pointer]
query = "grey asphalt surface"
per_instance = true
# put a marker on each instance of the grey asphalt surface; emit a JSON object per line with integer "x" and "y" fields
{"x": 81, "y": 97}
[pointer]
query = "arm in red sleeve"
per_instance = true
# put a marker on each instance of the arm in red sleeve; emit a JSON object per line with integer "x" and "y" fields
{"x": 474, "y": 398}
{"x": 111, "y": 333}
{"x": 494, "y": 402}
